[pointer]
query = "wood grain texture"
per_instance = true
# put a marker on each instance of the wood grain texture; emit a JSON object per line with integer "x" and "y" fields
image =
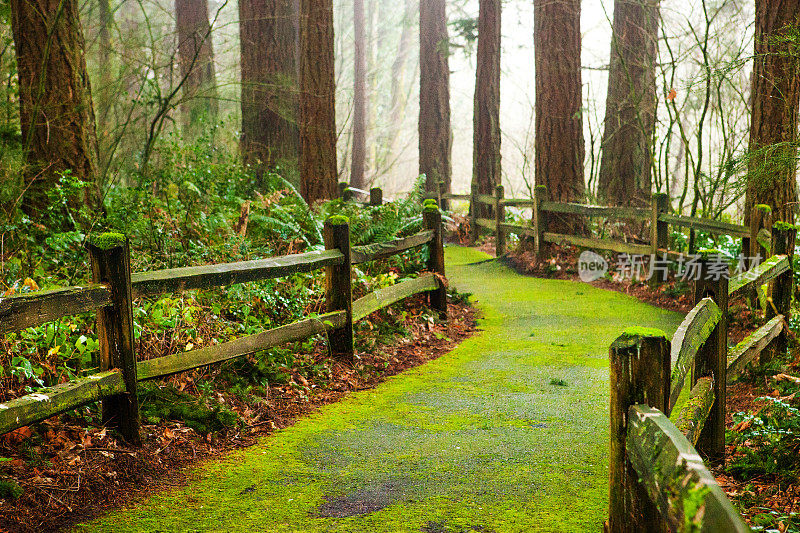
{"x": 486, "y": 223}
{"x": 712, "y": 226}
{"x": 385, "y": 297}
{"x": 634, "y": 213}
{"x": 597, "y": 244}
{"x": 747, "y": 350}
{"x": 51, "y": 401}
{"x": 381, "y": 250}
{"x": 695, "y": 411}
{"x": 674, "y": 476}
{"x": 34, "y": 309}
{"x": 181, "y": 362}
{"x": 206, "y": 276}
{"x": 689, "y": 337}
{"x": 757, "y": 276}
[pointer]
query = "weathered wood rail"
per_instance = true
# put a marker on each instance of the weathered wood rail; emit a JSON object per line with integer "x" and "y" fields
{"x": 543, "y": 210}
{"x": 115, "y": 287}
{"x": 658, "y": 481}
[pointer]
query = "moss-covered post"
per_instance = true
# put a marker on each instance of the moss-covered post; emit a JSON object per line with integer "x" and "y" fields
{"x": 342, "y": 187}
{"x": 110, "y": 258}
{"x": 338, "y": 287}
{"x": 375, "y": 196}
{"x": 440, "y": 191}
{"x": 432, "y": 219}
{"x": 474, "y": 230}
{"x": 659, "y": 231}
{"x": 499, "y": 220}
{"x": 783, "y": 239}
{"x": 639, "y": 374}
{"x": 711, "y": 280}
{"x": 539, "y": 221}
{"x": 760, "y": 218}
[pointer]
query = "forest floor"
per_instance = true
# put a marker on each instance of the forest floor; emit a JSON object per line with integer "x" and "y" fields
{"x": 71, "y": 472}
{"x": 507, "y": 432}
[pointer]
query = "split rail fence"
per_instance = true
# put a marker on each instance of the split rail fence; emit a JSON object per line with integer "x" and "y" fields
{"x": 114, "y": 288}
{"x": 658, "y": 480}
{"x": 543, "y": 211}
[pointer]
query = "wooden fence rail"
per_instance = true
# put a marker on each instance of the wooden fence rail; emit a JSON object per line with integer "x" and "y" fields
{"x": 657, "y": 215}
{"x": 114, "y": 289}
{"x": 658, "y": 481}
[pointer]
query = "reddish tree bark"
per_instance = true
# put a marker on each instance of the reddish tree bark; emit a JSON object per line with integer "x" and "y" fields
{"x": 318, "y": 173}
{"x": 559, "y": 126}
{"x": 775, "y": 92}
{"x": 268, "y": 35}
{"x": 56, "y": 114}
{"x": 486, "y": 119}
{"x": 196, "y": 58}
{"x": 359, "y": 154}
{"x": 630, "y": 120}
{"x": 435, "y": 138}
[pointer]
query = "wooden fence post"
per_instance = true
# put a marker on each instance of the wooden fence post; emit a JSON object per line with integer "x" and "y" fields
{"x": 539, "y": 221}
{"x": 432, "y": 219}
{"x": 760, "y": 217}
{"x": 712, "y": 358}
{"x": 342, "y": 187}
{"x": 440, "y": 191}
{"x": 499, "y": 219}
{"x": 110, "y": 258}
{"x": 375, "y": 196}
{"x": 639, "y": 374}
{"x": 338, "y": 285}
{"x": 659, "y": 231}
{"x": 474, "y": 231}
{"x": 783, "y": 239}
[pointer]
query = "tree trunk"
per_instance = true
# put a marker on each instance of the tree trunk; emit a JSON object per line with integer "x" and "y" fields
{"x": 357, "y": 178}
{"x": 318, "y": 173}
{"x": 773, "y": 127}
{"x": 104, "y": 61}
{"x": 267, "y": 32}
{"x": 626, "y": 160}
{"x": 196, "y": 57}
{"x": 435, "y": 137}
{"x": 397, "y": 83}
{"x": 56, "y": 114}
{"x": 559, "y": 126}
{"x": 486, "y": 119}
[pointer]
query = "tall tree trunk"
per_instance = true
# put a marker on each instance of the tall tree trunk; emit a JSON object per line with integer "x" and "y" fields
{"x": 56, "y": 114}
{"x": 559, "y": 126}
{"x": 359, "y": 153}
{"x": 397, "y": 83}
{"x": 196, "y": 57}
{"x": 435, "y": 137}
{"x": 626, "y": 161}
{"x": 773, "y": 128}
{"x": 486, "y": 117}
{"x": 104, "y": 62}
{"x": 267, "y": 32}
{"x": 317, "y": 106}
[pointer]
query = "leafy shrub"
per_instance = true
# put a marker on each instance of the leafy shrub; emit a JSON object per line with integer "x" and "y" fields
{"x": 772, "y": 437}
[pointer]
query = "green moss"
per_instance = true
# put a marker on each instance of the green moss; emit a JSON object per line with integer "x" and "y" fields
{"x": 338, "y": 220}
{"x": 639, "y": 331}
{"x": 10, "y": 490}
{"x": 764, "y": 208}
{"x": 660, "y": 195}
{"x": 784, "y": 226}
{"x": 107, "y": 240}
{"x": 474, "y": 440}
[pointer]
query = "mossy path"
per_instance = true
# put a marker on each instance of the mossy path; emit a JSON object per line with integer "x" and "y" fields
{"x": 506, "y": 433}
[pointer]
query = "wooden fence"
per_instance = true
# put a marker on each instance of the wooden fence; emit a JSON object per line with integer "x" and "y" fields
{"x": 543, "y": 211}
{"x": 658, "y": 481}
{"x": 114, "y": 288}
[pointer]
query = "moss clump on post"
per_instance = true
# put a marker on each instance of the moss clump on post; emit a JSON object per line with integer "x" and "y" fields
{"x": 764, "y": 208}
{"x": 660, "y": 195}
{"x": 107, "y": 240}
{"x": 338, "y": 220}
{"x": 430, "y": 205}
{"x": 784, "y": 226}
{"x": 639, "y": 331}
